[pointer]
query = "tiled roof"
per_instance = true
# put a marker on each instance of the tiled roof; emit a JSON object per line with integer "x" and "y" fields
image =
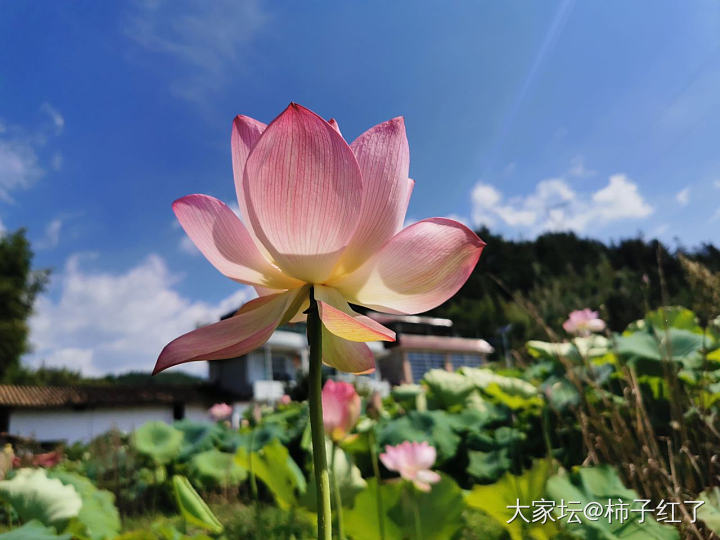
{"x": 107, "y": 396}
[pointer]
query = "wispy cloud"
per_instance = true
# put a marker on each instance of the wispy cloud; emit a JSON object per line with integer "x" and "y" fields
{"x": 112, "y": 322}
{"x": 555, "y": 205}
{"x": 20, "y": 149}
{"x": 578, "y": 168}
{"x": 207, "y": 38}
{"x": 19, "y": 166}
{"x": 57, "y": 118}
{"x": 52, "y": 235}
{"x": 187, "y": 246}
{"x": 683, "y": 196}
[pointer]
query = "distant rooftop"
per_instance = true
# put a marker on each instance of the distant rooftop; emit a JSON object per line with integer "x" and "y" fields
{"x": 108, "y": 395}
{"x": 384, "y": 318}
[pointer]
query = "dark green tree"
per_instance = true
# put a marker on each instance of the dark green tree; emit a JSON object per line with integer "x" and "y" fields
{"x": 19, "y": 285}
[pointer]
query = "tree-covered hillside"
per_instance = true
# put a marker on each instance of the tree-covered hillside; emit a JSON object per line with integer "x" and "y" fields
{"x": 534, "y": 284}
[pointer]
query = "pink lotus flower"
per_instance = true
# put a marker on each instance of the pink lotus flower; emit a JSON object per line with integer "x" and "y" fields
{"x": 285, "y": 400}
{"x": 583, "y": 323}
{"x": 319, "y": 212}
{"x": 413, "y": 461}
{"x": 341, "y": 408}
{"x": 220, "y": 411}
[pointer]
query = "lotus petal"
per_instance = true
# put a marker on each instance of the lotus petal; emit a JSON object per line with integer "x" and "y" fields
{"x": 245, "y": 134}
{"x": 418, "y": 269}
{"x": 341, "y": 320}
{"x": 225, "y": 242}
{"x": 248, "y": 329}
{"x": 348, "y": 356}
{"x": 384, "y": 158}
{"x": 302, "y": 188}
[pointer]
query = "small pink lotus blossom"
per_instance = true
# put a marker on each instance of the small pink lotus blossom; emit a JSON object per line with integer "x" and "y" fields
{"x": 319, "y": 212}
{"x": 583, "y": 322}
{"x": 220, "y": 411}
{"x": 284, "y": 400}
{"x": 413, "y": 461}
{"x": 341, "y": 408}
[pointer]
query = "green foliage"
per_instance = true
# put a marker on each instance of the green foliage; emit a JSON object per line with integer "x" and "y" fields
{"x": 159, "y": 441}
{"x": 448, "y": 390}
{"x": 600, "y": 484}
{"x": 496, "y": 500}
{"x": 402, "y": 502}
{"x": 195, "y": 511}
{"x": 347, "y": 476}
{"x": 34, "y": 530}
{"x": 196, "y": 437}
{"x": 559, "y": 272}
{"x": 213, "y": 468}
{"x": 35, "y": 496}
{"x": 278, "y": 471}
{"x": 709, "y": 512}
{"x": 19, "y": 285}
{"x": 98, "y": 516}
{"x": 434, "y": 427}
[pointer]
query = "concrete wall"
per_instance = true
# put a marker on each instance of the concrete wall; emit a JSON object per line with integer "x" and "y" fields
{"x": 83, "y": 425}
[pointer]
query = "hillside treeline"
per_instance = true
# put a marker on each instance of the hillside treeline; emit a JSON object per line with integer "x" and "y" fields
{"x": 532, "y": 285}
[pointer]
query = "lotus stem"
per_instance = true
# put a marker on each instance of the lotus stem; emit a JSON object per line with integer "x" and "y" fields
{"x": 322, "y": 477}
{"x": 376, "y": 472}
{"x": 336, "y": 493}
{"x": 416, "y": 513}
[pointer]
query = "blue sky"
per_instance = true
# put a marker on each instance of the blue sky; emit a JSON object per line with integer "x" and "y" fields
{"x": 598, "y": 117}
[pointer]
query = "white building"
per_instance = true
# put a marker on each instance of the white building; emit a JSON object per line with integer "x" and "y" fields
{"x": 53, "y": 414}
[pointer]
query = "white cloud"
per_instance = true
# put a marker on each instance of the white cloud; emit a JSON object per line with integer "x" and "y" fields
{"x": 20, "y": 164}
{"x": 578, "y": 168}
{"x": 57, "y": 161}
{"x": 683, "y": 196}
{"x": 57, "y": 118}
{"x": 19, "y": 167}
{"x": 52, "y": 235}
{"x": 109, "y": 322}
{"x": 209, "y": 38}
{"x": 554, "y": 205}
{"x": 187, "y": 246}
{"x": 716, "y": 183}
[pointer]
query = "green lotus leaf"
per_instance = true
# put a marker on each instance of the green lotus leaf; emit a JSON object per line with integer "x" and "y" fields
{"x": 35, "y": 496}
{"x": 159, "y": 441}
{"x": 193, "y": 509}
{"x": 34, "y": 530}
{"x": 213, "y": 468}
{"x": 98, "y": 514}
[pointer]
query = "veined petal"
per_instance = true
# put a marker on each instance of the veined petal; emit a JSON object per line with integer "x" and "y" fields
{"x": 418, "y": 269}
{"x": 341, "y": 320}
{"x": 302, "y": 188}
{"x": 335, "y": 125}
{"x": 384, "y": 158}
{"x": 226, "y": 243}
{"x": 249, "y": 328}
{"x": 245, "y": 134}
{"x": 348, "y": 356}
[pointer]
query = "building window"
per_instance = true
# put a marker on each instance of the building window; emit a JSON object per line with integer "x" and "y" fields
{"x": 178, "y": 411}
{"x": 469, "y": 360}
{"x": 282, "y": 368}
{"x": 422, "y": 362}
